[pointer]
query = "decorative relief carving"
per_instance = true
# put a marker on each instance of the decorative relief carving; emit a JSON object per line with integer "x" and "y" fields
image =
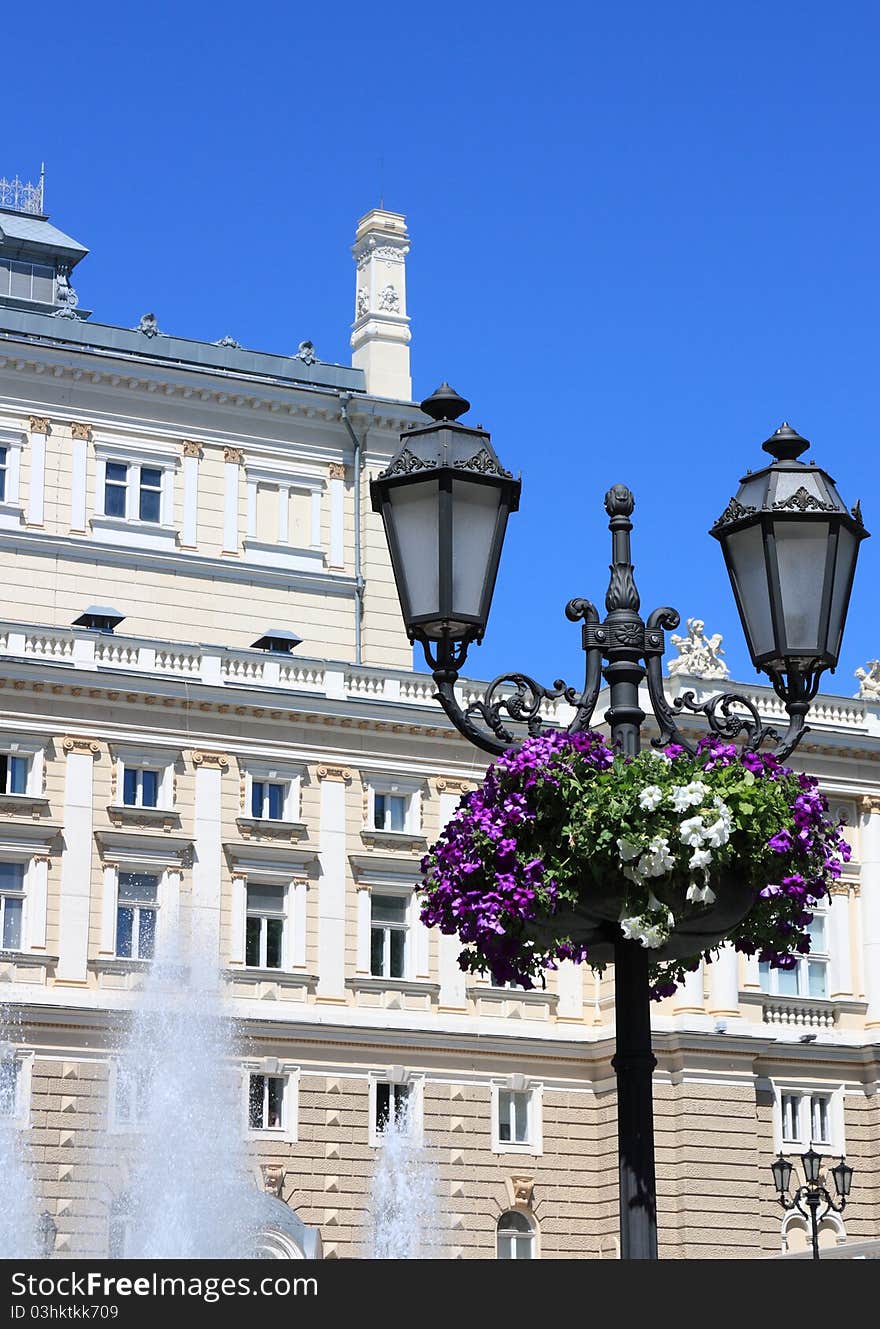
{"x": 39, "y": 424}
{"x": 698, "y": 655}
{"x": 273, "y": 1178}
{"x": 870, "y": 803}
{"x": 390, "y": 253}
{"x": 522, "y": 1191}
{"x": 336, "y": 471}
{"x": 405, "y": 463}
{"x": 362, "y": 304}
{"x": 389, "y": 299}
{"x": 191, "y": 448}
{"x": 453, "y": 785}
{"x": 483, "y": 463}
{"x": 84, "y": 745}
{"x": 869, "y": 682}
{"x": 80, "y": 430}
{"x": 734, "y": 511}
{"x": 211, "y": 760}
{"x": 341, "y": 773}
{"x": 234, "y": 455}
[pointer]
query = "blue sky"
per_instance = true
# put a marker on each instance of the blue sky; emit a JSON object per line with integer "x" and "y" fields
{"x": 643, "y": 235}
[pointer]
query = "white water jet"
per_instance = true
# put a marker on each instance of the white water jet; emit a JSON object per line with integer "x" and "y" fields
{"x": 404, "y": 1219}
{"x": 192, "y": 1193}
{"x": 18, "y": 1210}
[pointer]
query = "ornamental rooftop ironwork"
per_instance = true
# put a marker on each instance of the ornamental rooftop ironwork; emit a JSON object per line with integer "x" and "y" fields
{"x": 21, "y": 196}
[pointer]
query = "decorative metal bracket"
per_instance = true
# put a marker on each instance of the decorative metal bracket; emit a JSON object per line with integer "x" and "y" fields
{"x": 623, "y": 642}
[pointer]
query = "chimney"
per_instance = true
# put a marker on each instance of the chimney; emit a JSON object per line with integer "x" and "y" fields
{"x": 380, "y": 333}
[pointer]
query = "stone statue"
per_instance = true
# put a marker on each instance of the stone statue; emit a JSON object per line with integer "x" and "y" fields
{"x": 148, "y": 326}
{"x": 869, "y": 682}
{"x": 65, "y": 295}
{"x": 698, "y": 656}
{"x": 306, "y": 353}
{"x": 363, "y": 301}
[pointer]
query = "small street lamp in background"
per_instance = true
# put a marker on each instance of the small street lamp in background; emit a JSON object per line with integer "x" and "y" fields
{"x": 812, "y": 1193}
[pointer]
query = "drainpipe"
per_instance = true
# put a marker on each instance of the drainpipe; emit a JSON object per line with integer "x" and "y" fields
{"x": 344, "y": 399}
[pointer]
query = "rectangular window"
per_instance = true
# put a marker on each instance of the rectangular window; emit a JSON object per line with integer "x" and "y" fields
{"x": 388, "y": 1097}
{"x": 266, "y": 1102}
{"x": 115, "y": 486}
{"x": 140, "y": 788}
{"x": 791, "y": 1118}
{"x": 389, "y": 812}
{"x": 11, "y": 904}
{"x": 2, "y": 475}
{"x": 150, "y": 491}
{"x": 514, "y": 1117}
{"x": 820, "y": 1119}
{"x": 264, "y": 940}
{"x": 9, "y": 1069}
{"x": 809, "y": 977}
{"x": 806, "y": 1119}
{"x": 13, "y": 774}
{"x": 132, "y": 1095}
{"x": 388, "y": 935}
{"x": 136, "y": 915}
{"x": 267, "y": 800}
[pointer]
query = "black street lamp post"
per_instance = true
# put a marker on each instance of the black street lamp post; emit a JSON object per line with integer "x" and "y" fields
{"x": 813, "y": 1193}
{"x": 790, "y": 545}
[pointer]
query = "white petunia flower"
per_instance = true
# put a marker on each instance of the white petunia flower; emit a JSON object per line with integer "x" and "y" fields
{"x": 718, "y": 833}
{"x": 691, "y": 795}
{"x": 651, "y": 797}
{"x": 627, "y": 850}
{"x": 700, "y": 858}
{"x": 692, "y": 832}
{"x": 656, "y": 861}
{"x": 700, "y": 894}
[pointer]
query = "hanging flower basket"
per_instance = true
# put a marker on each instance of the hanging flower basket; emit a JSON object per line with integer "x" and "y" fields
{"x": 566, "y": 847}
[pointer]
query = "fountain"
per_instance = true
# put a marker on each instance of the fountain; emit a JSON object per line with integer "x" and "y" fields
{"x": 404, "y": 1215}
{"x": 19, "y": 1238}
{"x": 193, "y": 1194}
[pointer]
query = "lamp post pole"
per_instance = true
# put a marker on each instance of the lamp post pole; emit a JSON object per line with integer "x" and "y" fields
{"x": 790, "y": 545}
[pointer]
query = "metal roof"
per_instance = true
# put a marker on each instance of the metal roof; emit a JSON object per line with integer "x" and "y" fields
{"x": 26, "y": 230}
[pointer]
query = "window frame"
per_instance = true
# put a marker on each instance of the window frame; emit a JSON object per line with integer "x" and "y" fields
{"x": 272, "y": 1068}
{"x": 13, "y": 442}
{"x": 398, "y": 1079}
{"x": 284, "y": 914}
{"x": 21, "y": 895}
{"x": 136, "y": 906}
{"x": 769, "y": 978}
{"x": 805, "y": 1096}
{"x": 136, "y": 456}
{"x": 516, "y": 1237}
{"x": 23, "y": 1061}
{"x": 393, "y": 787}
{"x": 31, "y": 752}
{"x": 388, "y": 927}
{"x": 534, "y": 1144}
{"x": 120, "y": 1071}
{"x": 288, "y": 775}
{"x": 140, "y": 760}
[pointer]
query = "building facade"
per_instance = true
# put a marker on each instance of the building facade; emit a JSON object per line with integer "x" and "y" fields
{"x": 208, "y": 712}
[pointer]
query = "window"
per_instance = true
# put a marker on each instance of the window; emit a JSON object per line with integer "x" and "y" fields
{"x": 13, "y": 774}
{"x": 806, "y": 1118}
{"x": 115, "y": 489}
{"x": 809, "y": 977}
{"x": 11, "y": 904}
{"x": 131, "y": 1095}
{"x": 264, "y": 937}
{"x": 133, "y": 491}
{"x": 9, "y": 1077}
{"x": 136, "y": 915}
{"x": 27, "y": 281}
{"x": 391, "y": 1097}
{"x": 268, "y": 800}
{"x": 515, "y": 1237}
{"x": 120, "y": 1227}
{"x": 514, "y": 1116}
{"x": 389, "y": 812}
{"x": 389, "y": 929}
{"x": 2, "y": 475}
{"x": 266, "y": 1102}
{"x": 140, "y": 787}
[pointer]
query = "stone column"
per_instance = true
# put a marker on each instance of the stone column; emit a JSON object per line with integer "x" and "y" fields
{"x": 724, "y": 983}
{"x": 839, "y": 942}
{"x": 192, "y": 453}
{"x": 76, "y": 860}
{"x": 870, "y": 897}
{"x": 689, "y": 998}
{"x": 39, "y": 428}
{"x": 363, "y": 930}
{"x": 208, "y": 855}
{"x": 38, "y": 896}
{"x": 239, "y": 918}
{"x": 331, "y": 896}
{"x": 336, "y": 473}
{"x": 81, "y": 435}
{"x": 232, "y": 459}
{"x": 453, "y": 980}
{"x": 298, "y": 908}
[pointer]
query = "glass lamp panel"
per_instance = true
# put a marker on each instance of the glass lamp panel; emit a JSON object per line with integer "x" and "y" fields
{"x": 847, "y": 552}
{"x": 789, "y": 483}
{"x": 475, "y": 518}
{"x": 745, "y": 551}
{"x": 801, "y": 555}
{"x": 415, "y": 520}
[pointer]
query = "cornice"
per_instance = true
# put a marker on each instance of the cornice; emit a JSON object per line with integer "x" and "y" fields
{"x": 238, "y": 389}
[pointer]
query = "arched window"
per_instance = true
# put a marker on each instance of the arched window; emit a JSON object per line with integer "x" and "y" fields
{"x": 515, "y": 1237}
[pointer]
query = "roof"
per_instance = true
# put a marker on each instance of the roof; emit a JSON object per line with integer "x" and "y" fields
{"x": 23, "y": 229}
{"x": 132, "y": 344}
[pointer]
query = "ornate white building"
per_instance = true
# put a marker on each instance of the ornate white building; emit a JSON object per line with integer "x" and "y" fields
{"x": 208, "y": 709}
